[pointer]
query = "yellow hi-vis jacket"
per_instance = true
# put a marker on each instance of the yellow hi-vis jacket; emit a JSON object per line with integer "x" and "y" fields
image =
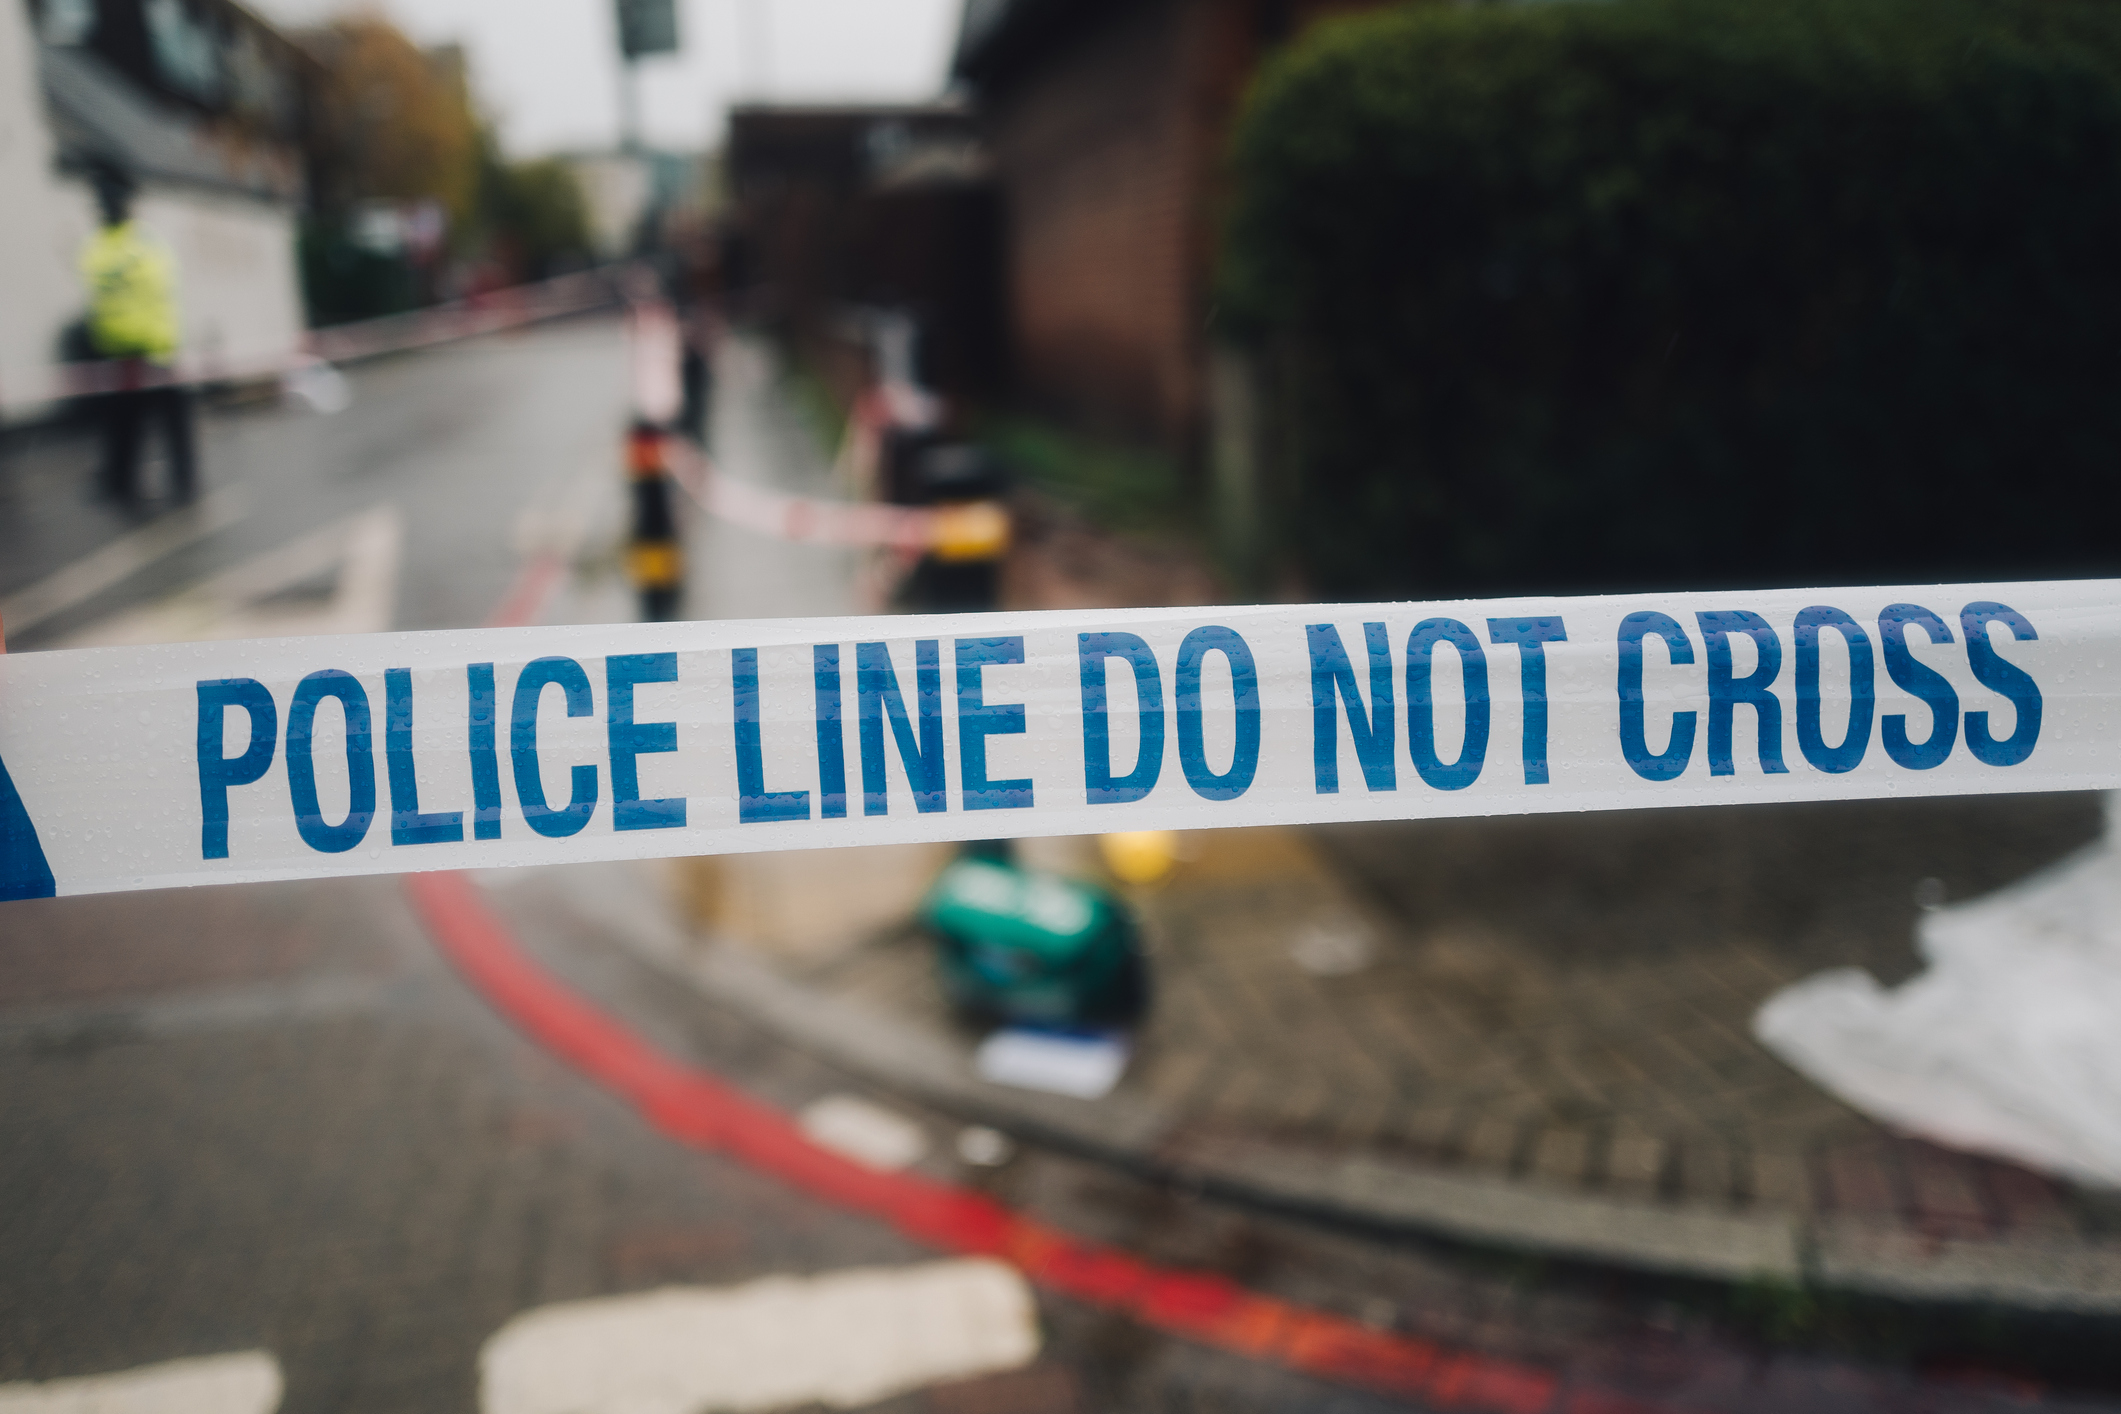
{"x": 132, "y": 294}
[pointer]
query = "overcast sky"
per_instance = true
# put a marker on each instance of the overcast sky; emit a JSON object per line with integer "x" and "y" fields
{"x": 548, "y": 69}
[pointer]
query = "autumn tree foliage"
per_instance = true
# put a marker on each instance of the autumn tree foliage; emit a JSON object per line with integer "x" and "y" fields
{"x": 392, "y": 122}
{"x": 411, "y": 199}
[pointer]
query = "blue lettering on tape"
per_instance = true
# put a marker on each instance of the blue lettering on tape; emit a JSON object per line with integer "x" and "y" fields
{"x": 979, "y": 719}
{"x": 1333, "y": 676}
{"x": 1094, "y": 653}
{"x": 831, "y": 731}
{"x": 1925, "y": 684}
{"x": 567, "y": 675}
{"x": 317, "y": 832}
{"x": 1531, "y": 635}
{"x": 1727, "y": 694}
{"x": 217, "y": 772}
{"x": 2008, "y": 679}
{"x": 1667, "y": 764}
{"x": 756, "y": 805}
{"x": 408, "y": 823}
{"x": 630, "y": 740}
{"x": 484, "y": 712}
{"x": 1244, "y": 688}
{"x": 1421, "y": 709}
{"x": 876, "y": 687}
{"x": 1863, "y": 695}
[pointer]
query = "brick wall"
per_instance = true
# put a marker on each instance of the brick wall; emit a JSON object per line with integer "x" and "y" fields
{"x": 823, "y": 224}
{"x": 1090, "y": 151}
{"x": 1108, "y": 147}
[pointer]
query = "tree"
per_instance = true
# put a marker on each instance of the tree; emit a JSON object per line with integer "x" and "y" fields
{"x": 391, "y": 122}
{"x": 1688, "y": 291}
{"x": 533, "y": 214}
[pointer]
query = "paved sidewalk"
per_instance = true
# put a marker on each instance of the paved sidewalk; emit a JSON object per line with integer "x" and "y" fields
{"x": 1529, "y": 1033}
{"x": 1490, "y": 1030}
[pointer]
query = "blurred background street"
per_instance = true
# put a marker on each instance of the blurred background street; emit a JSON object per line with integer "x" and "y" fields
{"x": 1035, "y": 307}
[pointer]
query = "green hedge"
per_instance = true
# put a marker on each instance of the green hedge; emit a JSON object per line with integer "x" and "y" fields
{"x": 1652, "y": 292}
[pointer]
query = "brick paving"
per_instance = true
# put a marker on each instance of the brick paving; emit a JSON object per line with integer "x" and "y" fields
{"x": 1563, "y": 999}
{"x": 1608, "y": 1002}
{"x": 1644, "y": 1340}
{"x": 1532, "y": 1008}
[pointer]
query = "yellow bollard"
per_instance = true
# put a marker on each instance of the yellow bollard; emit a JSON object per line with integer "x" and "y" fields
{"x": 1139, "y": 856}
{"x": 970, "y": 530}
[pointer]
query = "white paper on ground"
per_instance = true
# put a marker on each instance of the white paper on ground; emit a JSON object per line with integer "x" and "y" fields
{"x": 2008, "y": 1044}
{"x": 1086, "y": 1067}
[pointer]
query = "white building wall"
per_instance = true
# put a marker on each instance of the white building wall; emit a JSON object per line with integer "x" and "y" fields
{"x": 237, "y": 281}
{"x": 38, "y": 291}
{"x": 236, "y": 271}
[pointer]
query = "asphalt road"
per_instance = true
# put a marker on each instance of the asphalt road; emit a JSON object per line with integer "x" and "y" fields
{"x": 271, "y": 1122}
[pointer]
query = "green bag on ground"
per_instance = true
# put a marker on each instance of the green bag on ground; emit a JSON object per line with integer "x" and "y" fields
{"x": 1020, "y": 946}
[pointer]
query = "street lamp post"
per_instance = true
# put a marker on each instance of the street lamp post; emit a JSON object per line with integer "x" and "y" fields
{"x": 645, "y": 27}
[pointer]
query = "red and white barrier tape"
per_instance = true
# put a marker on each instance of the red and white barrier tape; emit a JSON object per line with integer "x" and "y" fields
{"x": 488, "y": 313}
{"x": 803, "y": 520}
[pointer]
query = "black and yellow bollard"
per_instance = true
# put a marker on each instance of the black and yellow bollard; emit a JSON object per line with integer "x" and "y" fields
{"x": 654, "y": 559}
{"x": 961, "y": 573}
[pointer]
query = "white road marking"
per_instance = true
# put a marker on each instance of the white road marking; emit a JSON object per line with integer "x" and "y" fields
{"x": 868, "y": 1134}
{"x": 841, "y": 1340}
{"x": 246, "y": 1383}
{"x": 121, "y": 559}
{"x": 203, "y": 1010}
{"x": 240, "y": 602}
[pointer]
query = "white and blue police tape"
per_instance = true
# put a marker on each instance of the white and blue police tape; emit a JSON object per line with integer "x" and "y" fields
{"x": 130, "y": 768}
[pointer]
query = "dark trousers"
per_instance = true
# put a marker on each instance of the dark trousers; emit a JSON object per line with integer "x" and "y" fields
{"x": 696, "y": 377}
{"x": 124, "y": 413}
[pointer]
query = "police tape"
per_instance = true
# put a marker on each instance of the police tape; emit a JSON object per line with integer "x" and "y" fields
{"x": 954, "y": 531}
{"x": 799, "y": 519}
{"x": 492, "y": 312}
{"x": 128, "y": 768}
{"x": 749, "y": 505}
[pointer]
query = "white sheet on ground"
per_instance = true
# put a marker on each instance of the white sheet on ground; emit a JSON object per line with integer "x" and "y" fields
{"x": 2009, "y": 1044}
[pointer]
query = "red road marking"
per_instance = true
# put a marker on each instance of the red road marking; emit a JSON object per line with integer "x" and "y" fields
{"x": 528, "y": 591}
{"x": 695, "y": 1108}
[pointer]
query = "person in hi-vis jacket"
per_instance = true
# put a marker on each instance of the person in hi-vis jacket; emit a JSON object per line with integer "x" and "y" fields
{"x": 133, "y": 319}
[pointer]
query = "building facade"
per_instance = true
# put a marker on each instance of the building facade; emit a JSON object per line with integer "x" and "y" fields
{"x": 200, "y": 102}
{"x": 1107, "y": 122}
{"x": 837, "y": 210}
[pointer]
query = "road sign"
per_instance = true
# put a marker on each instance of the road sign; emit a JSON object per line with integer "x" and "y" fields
{"x": 647, "y": 27}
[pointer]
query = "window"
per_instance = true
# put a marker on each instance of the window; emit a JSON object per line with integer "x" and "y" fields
{"x": 68, "y": 22}
{"x": 187, "y": 53}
